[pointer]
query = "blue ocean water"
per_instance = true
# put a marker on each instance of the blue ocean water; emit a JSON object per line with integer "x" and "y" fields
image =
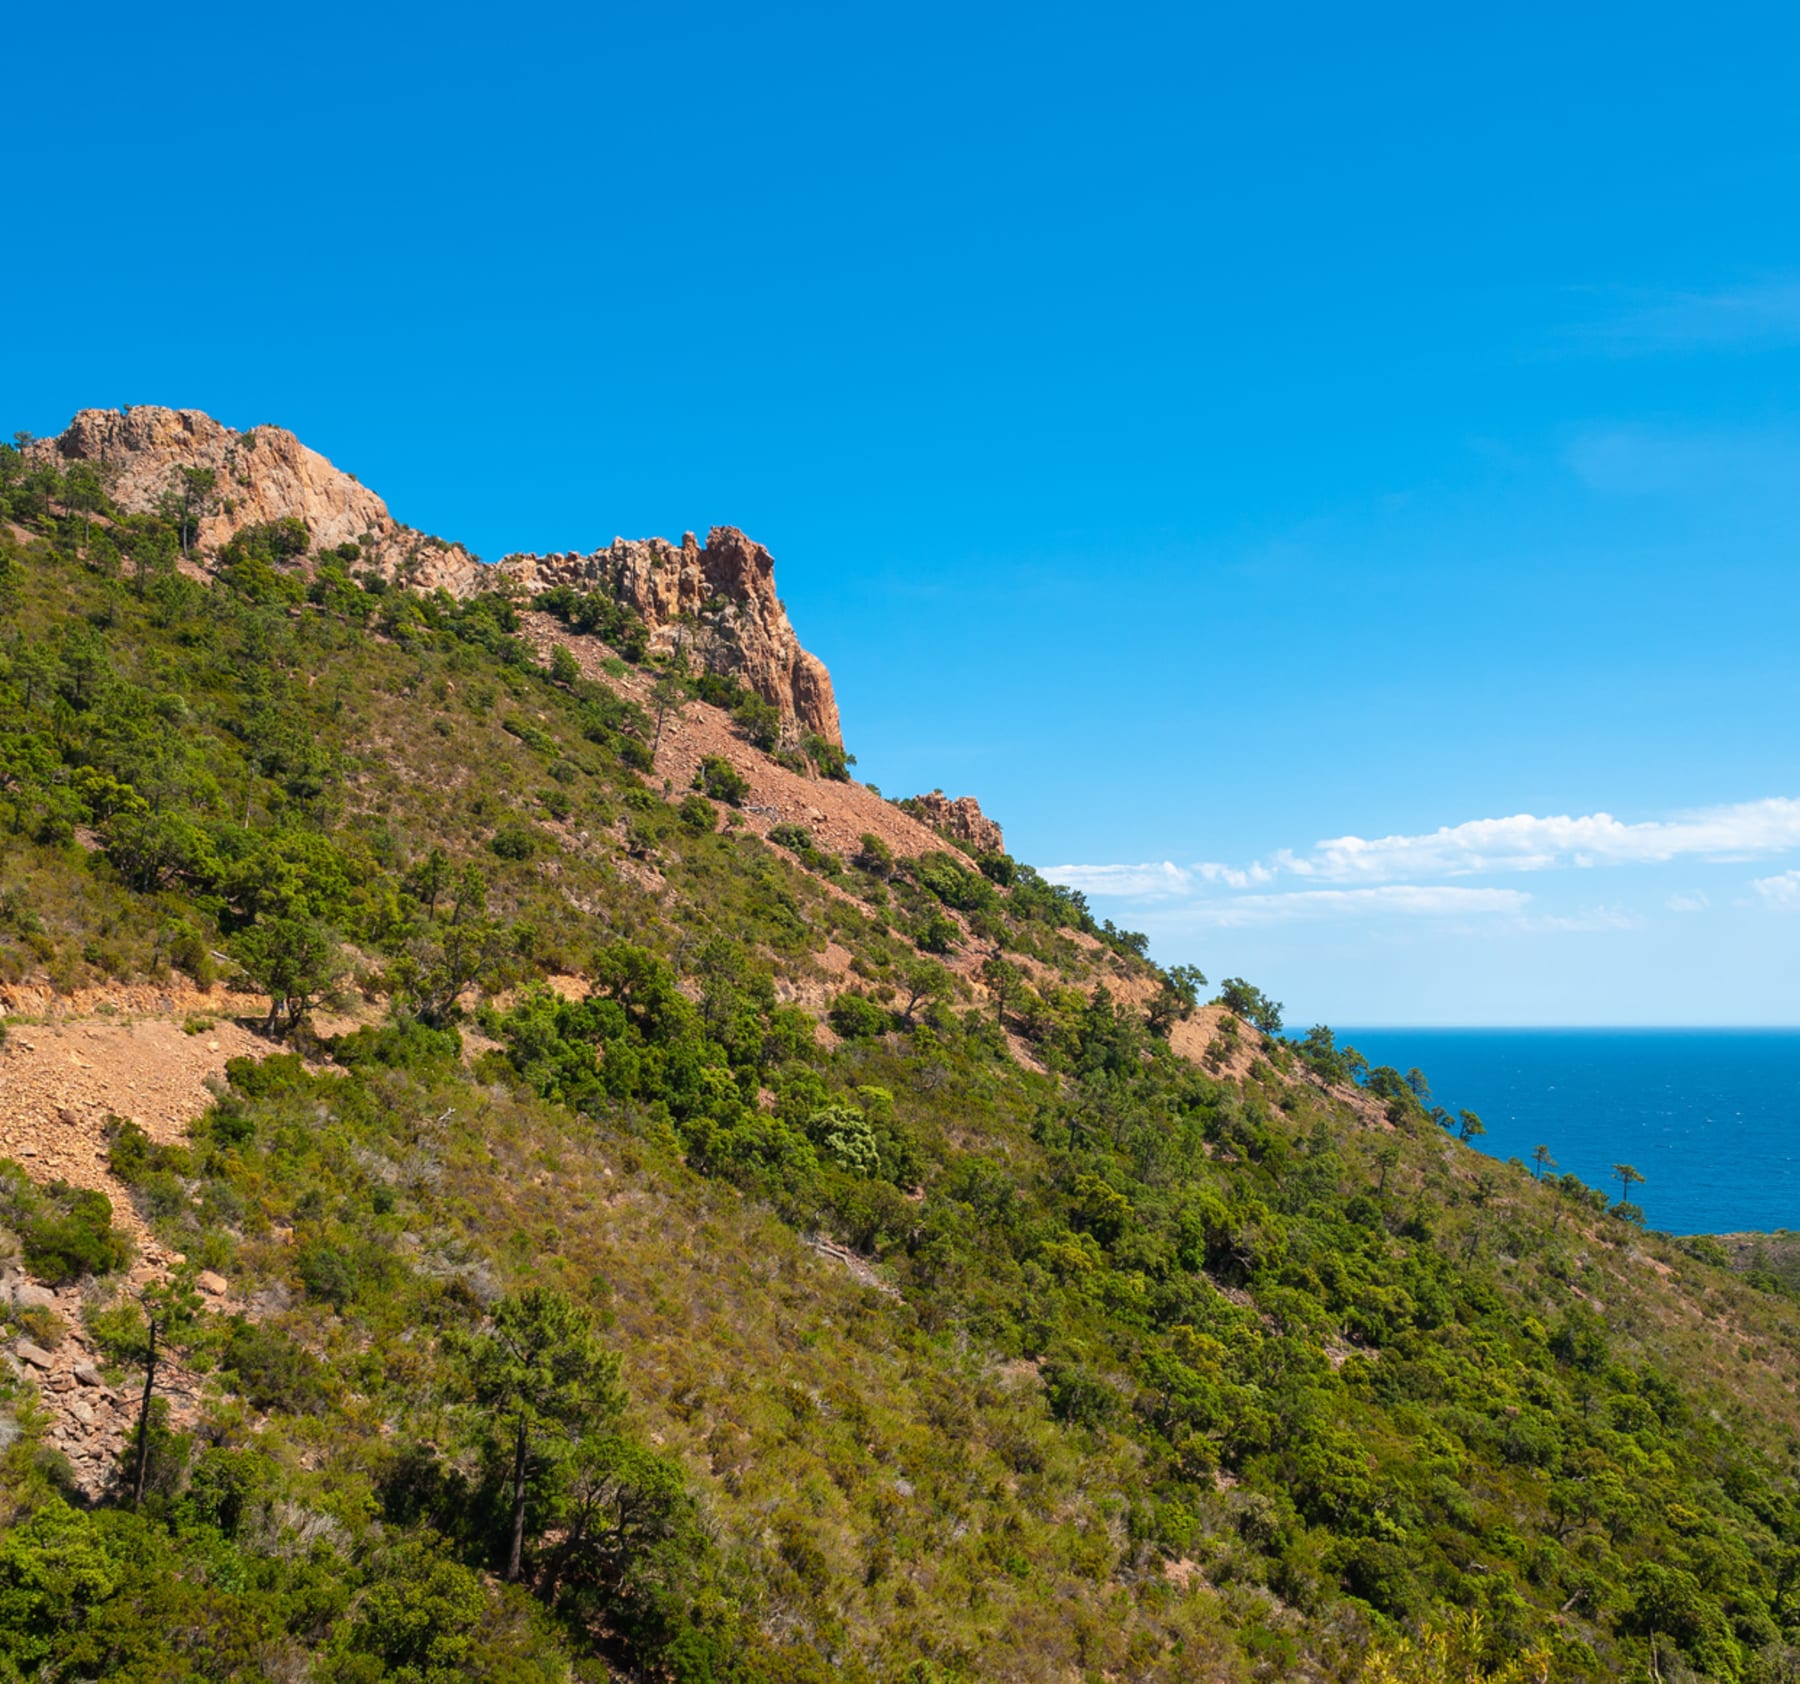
{"x": 1711, "y": 1117}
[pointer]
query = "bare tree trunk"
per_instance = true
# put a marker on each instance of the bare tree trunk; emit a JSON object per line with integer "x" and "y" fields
{"x": 143, "y": 1433}
{"x": 518, "y": 1515}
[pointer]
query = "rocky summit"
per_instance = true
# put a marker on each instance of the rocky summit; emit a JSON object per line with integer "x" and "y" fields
{"x": 720, "y": 593}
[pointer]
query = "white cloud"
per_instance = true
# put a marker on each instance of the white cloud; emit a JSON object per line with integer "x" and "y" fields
{"x": 1155, "y": 879}
{"x": 1151, "y": 881}
{"x": 1782, "y": 891}
{"x": 1393, "y": 875}
{"x": 1527, "y": 843}
{"x": 1234, "y": 877}
{"x": 1406, "y": 900}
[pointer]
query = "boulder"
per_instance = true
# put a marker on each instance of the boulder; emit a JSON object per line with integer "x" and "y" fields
{"x": 36, "y": 1355}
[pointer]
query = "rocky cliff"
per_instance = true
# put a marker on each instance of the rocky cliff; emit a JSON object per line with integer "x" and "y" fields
{"x": 961, "y": 819}
{"x": 721, "y": 593}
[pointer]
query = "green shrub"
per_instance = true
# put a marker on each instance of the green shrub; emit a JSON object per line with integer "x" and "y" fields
{"x": 42, "y": 1325}
{"x": 1077, "y": 1395}
{"x": 514, "y": 842}
{"x": 1705, "y": 1249}
{"x": 1002, "y": 869}
{"x": 132, "y": 1155}
{"x": 190, "y": 952}
{"x": 406, "y": 1044}
{"x": 844, "y": 1136}
{"x": 718, "y": 778}
{"x": 600, "y": 616}
{"x": 965, "y": 890}
{"x": 759, "y": 721}
{"x": 937, "y": 934}
{"x": 792, "y": 836}
{"x": 272, "y": 1372}
{"x": 698, "y": 815}
{"x": 828, "y": 758}
{"x": 874, "y": 856}
{"x": 856, "y": 1017}
{"x": 533, "y": 737}
{"x": 328, "y": 1273}
{"x": 263, "y": 1078}
{"x": 226, "y": 1486}
{"x": 66, "y": 1232}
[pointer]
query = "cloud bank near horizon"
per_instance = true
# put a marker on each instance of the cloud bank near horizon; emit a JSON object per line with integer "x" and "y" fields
{"x": 1404, "y": 874}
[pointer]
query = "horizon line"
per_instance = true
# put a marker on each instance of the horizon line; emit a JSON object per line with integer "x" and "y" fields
{"x": 1577, "y": 1028}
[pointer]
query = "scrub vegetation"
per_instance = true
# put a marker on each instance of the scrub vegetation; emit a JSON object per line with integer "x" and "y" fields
{"x": 627, "y": 1293}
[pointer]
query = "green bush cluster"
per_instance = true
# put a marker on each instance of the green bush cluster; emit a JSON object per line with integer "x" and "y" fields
{"x": 598, "y": 615}
{"x": 65, "y": 1232}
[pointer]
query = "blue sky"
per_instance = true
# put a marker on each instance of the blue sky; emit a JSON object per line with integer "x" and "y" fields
{"x": 1204, "y": 434}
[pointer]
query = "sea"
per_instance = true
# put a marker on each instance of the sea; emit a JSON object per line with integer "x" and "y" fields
{"x": 1709, "y": 1117}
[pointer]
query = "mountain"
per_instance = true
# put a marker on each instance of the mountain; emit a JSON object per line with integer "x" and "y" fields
{"x": 590, "y": 1190}
{"x": 149, "y": 458}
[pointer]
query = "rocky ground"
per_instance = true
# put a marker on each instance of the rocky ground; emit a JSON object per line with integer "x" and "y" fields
{"x": 91, "y": 1420}
{"x": 838, "y": 814}
{"x": 62, "y": 1077}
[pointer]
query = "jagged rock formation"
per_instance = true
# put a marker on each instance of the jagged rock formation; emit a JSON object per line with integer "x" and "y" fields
{"x": 961, "y": 819}
{"x": 261, "y": 475}
{"x": 725, "y": 587}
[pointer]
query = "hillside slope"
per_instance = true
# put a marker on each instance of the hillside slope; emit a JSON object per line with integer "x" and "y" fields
{"x": 983, "y": 1305}
{"x": 211, "y": 483}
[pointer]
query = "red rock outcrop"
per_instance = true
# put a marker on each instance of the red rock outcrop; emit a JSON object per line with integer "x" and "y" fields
{"x": 260, "y": 475}
{"x": 724, "y": 589}
{"x": 961, "y": 819}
